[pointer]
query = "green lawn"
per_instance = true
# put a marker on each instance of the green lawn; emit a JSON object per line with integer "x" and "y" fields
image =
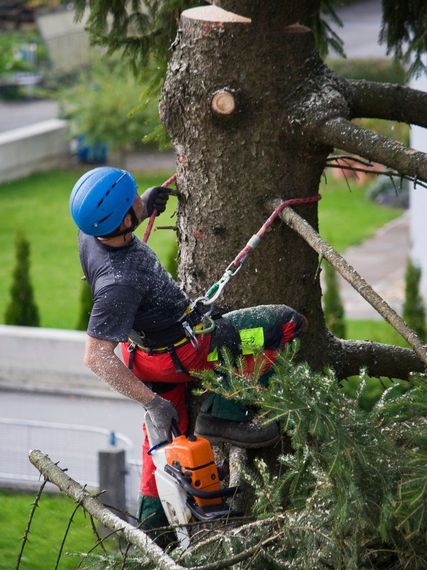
{"x": 377, "y": 331}
{"x": 47, "y": 531}
{"x": 37, "y": 206}
{"x": 347, "y": 217}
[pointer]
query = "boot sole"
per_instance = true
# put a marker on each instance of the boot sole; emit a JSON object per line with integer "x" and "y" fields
{"x": 216, "y": 440}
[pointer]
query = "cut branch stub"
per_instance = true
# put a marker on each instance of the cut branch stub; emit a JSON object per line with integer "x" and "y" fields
{"x": 224, "y": 103}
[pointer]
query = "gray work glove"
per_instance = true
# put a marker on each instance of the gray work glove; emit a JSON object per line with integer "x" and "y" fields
{"x": 161, "y": 413}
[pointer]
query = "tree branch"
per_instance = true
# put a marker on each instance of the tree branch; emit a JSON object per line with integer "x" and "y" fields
{"x": 341, "y": 133}
{"x": 303, "y": 228}
{"x": 342, "y": 164}
{"x": 346, "y": 356}
{"x": 387, "y": 101}
{"x": 54, "y": 474}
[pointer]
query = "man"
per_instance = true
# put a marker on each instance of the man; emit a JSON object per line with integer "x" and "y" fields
{"x": 138, "y": 304}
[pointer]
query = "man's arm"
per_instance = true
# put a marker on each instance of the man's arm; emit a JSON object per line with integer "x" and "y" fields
{"x": 102, "y": 360}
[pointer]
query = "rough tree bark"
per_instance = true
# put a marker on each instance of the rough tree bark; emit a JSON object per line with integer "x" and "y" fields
{"x": 253, "y": 113}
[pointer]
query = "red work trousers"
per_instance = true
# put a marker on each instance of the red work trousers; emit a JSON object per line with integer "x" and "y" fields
{"x": 160, "y": 368}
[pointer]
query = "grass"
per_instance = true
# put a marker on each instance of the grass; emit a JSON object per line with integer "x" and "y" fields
{"x": 37, "y": 206}
{"x": 47, "y": 531}
{"x": 377, "y": 331}
{"x": 347, "y": 217}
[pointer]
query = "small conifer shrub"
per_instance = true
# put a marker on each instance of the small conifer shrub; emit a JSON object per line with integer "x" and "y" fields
{"x": 86, "y": 303}
{"x": 413, "y": 308}
{"x": 333, "y": 307}
{"x": 22, "y": 309}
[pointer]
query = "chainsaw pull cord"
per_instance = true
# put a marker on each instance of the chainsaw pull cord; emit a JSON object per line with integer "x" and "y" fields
{"x": 175, "y": 428}
{"x": 154, "y": 212}
{"x": 235, "y": 266}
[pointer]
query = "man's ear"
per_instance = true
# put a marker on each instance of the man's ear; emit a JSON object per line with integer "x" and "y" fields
{"x": 127, "y": 222}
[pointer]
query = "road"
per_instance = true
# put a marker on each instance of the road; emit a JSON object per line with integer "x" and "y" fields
{"x": 21, "y": 114}
{"x": 74, "y": 448}
{"x": 120, "y": 416}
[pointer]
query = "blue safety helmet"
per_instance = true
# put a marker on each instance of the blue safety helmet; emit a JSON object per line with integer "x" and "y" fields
{"x": 101, "y": 198}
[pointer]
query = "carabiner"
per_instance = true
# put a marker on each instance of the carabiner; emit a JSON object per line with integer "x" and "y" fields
{"x": 208, "y": 327}
{"x": 239, "y": 267}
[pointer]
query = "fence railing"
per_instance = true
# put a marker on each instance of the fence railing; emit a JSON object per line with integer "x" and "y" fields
{"x": 76, "y": 448}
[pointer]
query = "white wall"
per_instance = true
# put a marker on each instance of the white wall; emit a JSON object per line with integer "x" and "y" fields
{"x": 30, "y": 149}
{"x": 49, "y": 360}
{"x": 418, "y": 200}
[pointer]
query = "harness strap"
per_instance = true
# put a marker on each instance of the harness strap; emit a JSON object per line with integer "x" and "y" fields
{"x": 179, "y": 367}
{"x": 131, "y": 349}
{"x": 156, "y": 387}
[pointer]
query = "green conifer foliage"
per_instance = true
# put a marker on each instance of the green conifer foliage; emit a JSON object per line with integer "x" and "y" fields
{"x": 353, "y": 493}
{"x": 86, "y": 303}
{"x": 413, "y": 307}
{"x": 22, "y": 309}
{"x": 333, "y": 307}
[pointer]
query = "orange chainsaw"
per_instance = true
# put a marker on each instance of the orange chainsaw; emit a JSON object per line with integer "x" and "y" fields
{"x": 189, "y": 481}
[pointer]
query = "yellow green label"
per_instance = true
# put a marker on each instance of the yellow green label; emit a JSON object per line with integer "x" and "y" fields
{"x": 213, "y": 356}
{"x": 252, "y": 340}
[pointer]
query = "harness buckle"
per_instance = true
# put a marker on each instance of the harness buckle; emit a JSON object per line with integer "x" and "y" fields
{"x": 189, "y": 333}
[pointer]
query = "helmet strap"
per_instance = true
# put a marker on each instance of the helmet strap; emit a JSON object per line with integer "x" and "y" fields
{"x": 133, "y": 226}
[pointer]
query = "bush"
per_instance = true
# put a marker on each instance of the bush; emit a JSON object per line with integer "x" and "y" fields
{"x": 388, "y": 192}
{"x": 353, "y": 493}
{"x": 333, "y": 307}
{"x": 86, "y": 303}
{"x": 382, "y": 70}
{"x": 105, "y": 106}
{"x": 22, "y": 309}
{"x": 413, "y": 308}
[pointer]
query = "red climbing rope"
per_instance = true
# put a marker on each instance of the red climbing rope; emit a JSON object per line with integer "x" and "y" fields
{"x": 256, "y": 238}
{"x": 216, "y": 289}
{"x": 154, "y": 213}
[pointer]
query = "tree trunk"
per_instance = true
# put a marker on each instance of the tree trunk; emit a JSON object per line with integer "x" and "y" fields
{"x": 229, "y": 104}
{"x": 252, "y": 112}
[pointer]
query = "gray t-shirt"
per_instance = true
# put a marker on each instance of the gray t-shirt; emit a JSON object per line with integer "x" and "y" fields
{"x": 130, "y": 289}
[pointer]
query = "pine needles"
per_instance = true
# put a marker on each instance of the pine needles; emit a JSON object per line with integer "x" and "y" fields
{"x": 353, "y": 493}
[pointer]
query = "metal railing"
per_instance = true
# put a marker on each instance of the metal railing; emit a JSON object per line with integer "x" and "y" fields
{"x": 74, "y": 446}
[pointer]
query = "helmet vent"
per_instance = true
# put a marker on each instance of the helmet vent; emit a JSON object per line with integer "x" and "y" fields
{"x": 103, "y": 219}
{"x": 100, "y": 202}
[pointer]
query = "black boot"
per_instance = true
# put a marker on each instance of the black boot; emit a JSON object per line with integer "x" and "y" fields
{"x": 242, "y": 434}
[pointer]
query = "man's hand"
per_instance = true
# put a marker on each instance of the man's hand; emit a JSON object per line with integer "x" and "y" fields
{"x": 161, "y": 413}
{"x": 155, "y": 199}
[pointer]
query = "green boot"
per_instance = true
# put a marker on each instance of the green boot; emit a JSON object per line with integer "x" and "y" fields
{"x": 151, "y": 516}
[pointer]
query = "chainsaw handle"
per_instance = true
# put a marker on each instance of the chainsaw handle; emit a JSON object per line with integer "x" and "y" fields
{"x": 188, "y": 488}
